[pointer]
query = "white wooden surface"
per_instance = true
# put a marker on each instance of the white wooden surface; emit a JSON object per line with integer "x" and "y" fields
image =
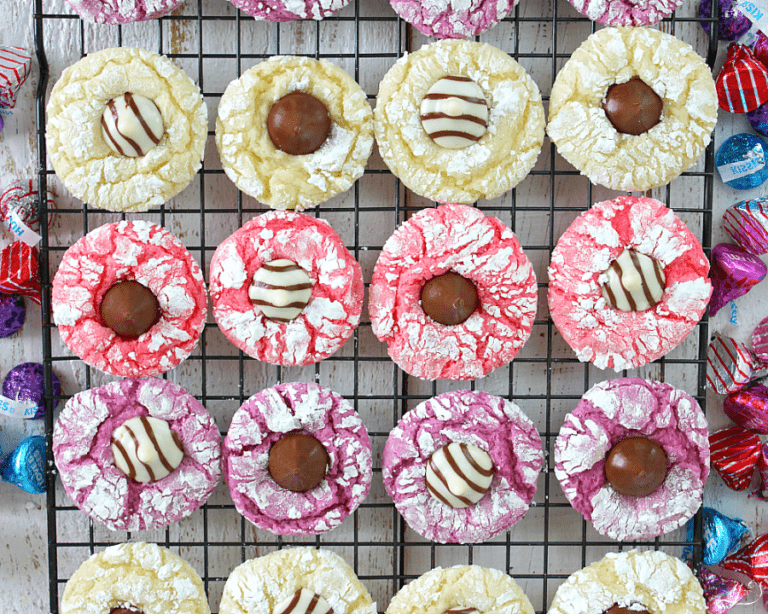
{"x": 22, "y": 517}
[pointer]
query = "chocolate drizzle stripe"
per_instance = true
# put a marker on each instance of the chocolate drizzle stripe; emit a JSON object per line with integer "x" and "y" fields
{"x": 434, "y": 490}
{"x": 444, "y": 133}
{"x": 467, "y": 118}
{"x": 135, "y": 108}
{"x": 294, "y": 305}
{"x": 460, "y": 611}
{"x": 294, "y": 602}
{"x": 469, "y": 99}
{"x": 291, "y": 288}
{"x": 620, "y": 273}
{"x": 135, "y": 439}
{"x": 458, "y": 78}
{"x": 643, "y": 285}
{"x": 474, "y": 464}
{"x": 105, "y": 127}
{"x": 280, "y": 268}
{"x": 116, "y": 116}
{"x": 153, "y": 438}
{"x": 454, "y": 463}
{"x": 126, "y": 459}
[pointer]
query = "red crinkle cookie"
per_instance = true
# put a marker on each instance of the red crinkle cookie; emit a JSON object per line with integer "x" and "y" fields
{"x": 480, "y": 248}
{"x": 333, "y": 311}
{"x": 616, "y": 339}
{"x": 145, "y": 253}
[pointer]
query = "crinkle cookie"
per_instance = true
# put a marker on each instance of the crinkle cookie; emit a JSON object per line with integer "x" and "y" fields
{"x": 120, "y": 11}
{"x": 285, "y": 290}
{"x": 453, "y": 294}
{"x": 626, "y": 12}
{"x": 608, "y": 319}
{"x": 137, "y": 453}
{"x": 463, "y": 588}
{"x": 632, "y": 581}
{"x": 129, "y": 299}
{"x": 288, "y": 10}
{"x": 297, "y": 459}
{"x": 294, "y": 132}
{"x": 633, "y": 457}
{"x": 477, "y": 93}
{"x": 135, "y": 577}
{"x": 453, "y": 18}
{"x": 270, "y": 583}
{"x": 462, "y": 466}
{"x": 126, "y": 129}
{"x": 592, "y": 109}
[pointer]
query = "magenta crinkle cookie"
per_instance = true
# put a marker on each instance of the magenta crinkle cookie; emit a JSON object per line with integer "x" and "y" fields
{"x": 633, "y": 457}
{"x": 626, "y": 12}
{"x": 288, "y": 10}
{"x": 137, "y": 453}
{"x": 627, "y": 283}
{"x": 122, "y": 11}
{"x": 453, "y": 18}
{"x": 285, "y": 290}
{"x": 129, "y": 299}
{"x": 462, "y": 466}
{"x": 297, "y": 459}
{"x": 453, "y": 294}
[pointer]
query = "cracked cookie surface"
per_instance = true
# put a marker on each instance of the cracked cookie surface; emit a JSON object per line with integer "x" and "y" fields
{"x": 122, "y": 11}
{"x": 596, "y": 331}
{"x": 585, "y": 137}
{"x": 453, "y": 18}
{"x": 288, "y": 10}
{"x": 274, "y": 177}
{"x": 486, "y": 169}
{"x": 87, "y": 166}
{"x": 626, "y": 12}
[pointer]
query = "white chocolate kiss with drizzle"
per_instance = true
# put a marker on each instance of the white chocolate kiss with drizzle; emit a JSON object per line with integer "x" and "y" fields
{"x": 459, "y": 474}
{"x": 303, "y": 601}
{"x": 633, "y": 282}
{"x": 454, "y": 113}
{"x": 131, "y": 125}
{"x": 146, "y": 449}
{"x": 281, "y": 290}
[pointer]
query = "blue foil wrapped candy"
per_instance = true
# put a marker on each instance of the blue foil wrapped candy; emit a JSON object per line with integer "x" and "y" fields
{"x": 25, "y": 467}
{"x": 742, "y": 161}
{"x": 722, "y": 535}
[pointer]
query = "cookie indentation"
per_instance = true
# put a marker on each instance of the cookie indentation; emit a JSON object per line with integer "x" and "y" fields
{"x": 449, "y": 299}
{"x": 146, "y": 449}
{"x": 636, "y": 466}
{"x": 131, "y": 125}
{"x": 303, "y": 601}
{"x": 129, "y": 308}
{"x": 634, "y": 282}
{"x": 298, "y": 124}
{"x": 281, "y": 290}
{"x": 298, "y": 462}
{"x": 459, "y": 474}
{"x": 633, "y": 107}
{"x": 454, "y": 112}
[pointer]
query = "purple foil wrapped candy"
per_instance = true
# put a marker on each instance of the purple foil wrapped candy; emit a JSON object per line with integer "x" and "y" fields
{"x": 732, "y": 23}
{"x": 760, "y": 340}
{"x": 762, "y": 467}
{"x": 747, "y": 223}
{"x": 25, "y": 467}
{"x": 758, "y": 119}
{"x": 749, "y": 408}
{"x": 731, "y": 365}
{"x": 734, "y": 271}
{"x": 721, "y": 594}
{"x": 760, "y": 48}
{"x": 13, "y": 311}
{"x": 26, "y": 382}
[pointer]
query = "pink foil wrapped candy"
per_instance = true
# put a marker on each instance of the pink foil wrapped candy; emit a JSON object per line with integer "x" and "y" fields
{"x": 734, "y": 272}
{"x": 760, "y": 340}
{"x": 749, "y": 408}
{"x": 731, "y": 365}
{"x": 721, "y": 594}
{"x": 747, "y": 223}
{"x": 734, "y": 453}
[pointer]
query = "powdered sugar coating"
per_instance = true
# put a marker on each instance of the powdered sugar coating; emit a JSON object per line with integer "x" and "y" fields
{"x": 626, "y": 12}
{"x": 86, "y": 464}
{"x": 616, "y": 339}
{"x": 138, "y": 576}
{"x": 288, "y": 10}
{"x": 498, "y": 161}
{"x": 121, "y": 11}
{"x": 453, "y": 18}
{"x": 304, "y": 408}
{"x": 258, "y": 585}
{"x": 333, "y": 311}
{"x": 482, "y": 249}
{"x": 607, "y": 413}
{"x": 137, "y": 251}
{"x": 651, "y": 580}
{"x": 586, "y": 138}
{"x": 496, "y": 426}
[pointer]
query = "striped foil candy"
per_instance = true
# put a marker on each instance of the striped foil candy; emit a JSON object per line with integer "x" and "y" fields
{"x": 22, "y": 197}
{"x": 734, "y": 453}
{"x": 761, "y": 492}
{"x": 731, "y": 365}
{"x": 751, "y": 560}
{"x": 747, "y": 223}
{"x": 742, "y": 84}
{"x": 14, "y": 69}
{"x": 18, "y": 271}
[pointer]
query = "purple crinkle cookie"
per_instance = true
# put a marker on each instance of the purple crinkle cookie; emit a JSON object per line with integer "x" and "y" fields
{"x": 122, "y": 11}
{"x": 611, "y": 411}
{"x": 297, "y": 408}
{"x": 495, "y": 425}
{"x": 731, "y": 22}
{"x": 453, "y": 18}
{"x": 13, "y": 311}
{"x": 26, "y": 382}
{"x": 626, "y": 12}
{"x": 86, "y": 464}
{"x": 288, "y": 10}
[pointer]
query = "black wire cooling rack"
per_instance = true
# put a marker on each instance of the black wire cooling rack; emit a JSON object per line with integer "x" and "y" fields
{"x": 215, "y": 43}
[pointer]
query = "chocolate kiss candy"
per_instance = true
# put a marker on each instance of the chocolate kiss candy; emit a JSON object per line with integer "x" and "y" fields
{"x": 129, "y": 308}
{"x": 722, "y": 535}
{"x": 734, "y": 272}
{"x": 636, "y": 466}
{"x": 298, "y": 462}
{"x": 721, "y": 594}
{"x": 751, "y": 560}
{"x": 731, "y": 365}
{"x": 124, "y": 611}
{"x": 760, "y": 340}
{"x": 747, "y": 223}
{"x": 749, "y": 408}
{"x": 449, "y": 299}
{"x": 633, "y": 107}
{"x": 734, "y": 453}
{"x": 761, "y": 492}
{"x": 617, "y": 609}
{"x": 298, "y": 124}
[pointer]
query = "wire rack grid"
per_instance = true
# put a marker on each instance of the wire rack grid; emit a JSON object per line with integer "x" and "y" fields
{"x": 214, "y": 43}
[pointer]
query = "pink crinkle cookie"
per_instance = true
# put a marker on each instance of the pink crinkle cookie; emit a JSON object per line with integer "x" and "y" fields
{"x": 122, "y": 11}
{"x": 324, "y": 323}
{"x": 496, "y": 426}
{"x": 288, "y": 10}
{"x": 290, "y": 409}
{"x": 626, "y": 12}
{"x": 130, "y": 251}
{"x": 453, "y": 18}
{"x": 90, "y": 469}
{"x": 597, "y": 331}
{"x": 459, "y": 239}
{"x": 629, "y": 407}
